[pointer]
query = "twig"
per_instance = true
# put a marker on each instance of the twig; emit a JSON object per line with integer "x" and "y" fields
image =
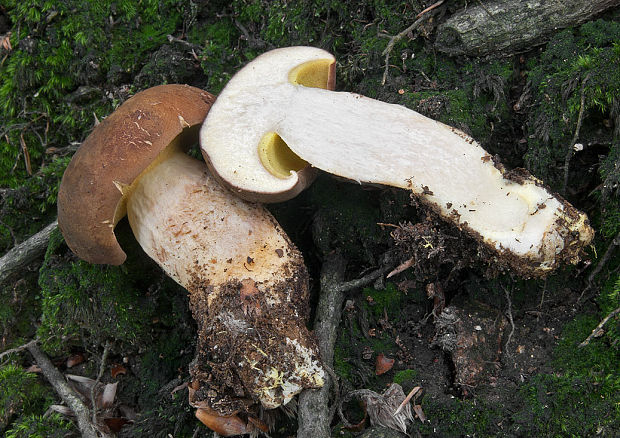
{"x": 104, "y": 358}
{"x": 173, "y": 39}
{"x": 396, "y": 38}
{"x": 18, "y": 349}
{"x": 598, "y": 328}
{"x": 313, "y": 408}
{"x": 360, "y": 282}
{"x": 413, "y": 392}
{"x": 569, "y": 152}
{"x": 314, "y": 414}
{"x": 56, "y": 379}
{"x": 27, "y": 251}
{"x": 600, "y": 265}
{"x": 512, "y": 323}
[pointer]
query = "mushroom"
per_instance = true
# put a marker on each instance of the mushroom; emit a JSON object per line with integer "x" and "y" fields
{"x": 273, "y": 110}
{"x": 247, "y": 283}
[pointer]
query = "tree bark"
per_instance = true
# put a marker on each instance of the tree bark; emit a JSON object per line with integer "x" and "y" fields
{"x": 506, "y": 27}
{"x": 313, "y": 409}
{"x": 57, "y": 380}
{"x": 25, "y": 252}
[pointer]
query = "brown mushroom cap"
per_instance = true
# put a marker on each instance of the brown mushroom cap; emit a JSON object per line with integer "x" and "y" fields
{"x": 90, "y": 201}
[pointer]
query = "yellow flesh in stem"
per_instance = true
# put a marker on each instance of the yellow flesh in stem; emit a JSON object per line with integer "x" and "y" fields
{"x": 366, "y": 140}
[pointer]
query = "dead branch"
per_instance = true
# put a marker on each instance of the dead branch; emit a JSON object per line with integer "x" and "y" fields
{"x": 506, "y": 27}
{"x": 571, "y": 147}
{"x": 56, "y": 379}
{"x": 421, "y": 17}
{"x": 25, "y": 252}
{"x": 314, "y": 413}
{"x": 104, "y": 358}
{"x": 599, "y": 266}
{"x": 597, "y": 331}
{"x": 17, "y": 349}
{"x": 313, "y": 410}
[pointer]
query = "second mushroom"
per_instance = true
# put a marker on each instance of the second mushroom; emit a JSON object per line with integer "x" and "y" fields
{"x": 247, "y": 282}
{"x": 277, "y": 115}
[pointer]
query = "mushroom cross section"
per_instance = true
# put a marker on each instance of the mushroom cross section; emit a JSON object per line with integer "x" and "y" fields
{"x": 273, "y": 100}
{"x": 247, "y": 283}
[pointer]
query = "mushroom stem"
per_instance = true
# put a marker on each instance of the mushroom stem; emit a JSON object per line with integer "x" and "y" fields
{"x": 389, "y": 144}
{"x": 247, "y": 285}
{"x": 269, "y": 112}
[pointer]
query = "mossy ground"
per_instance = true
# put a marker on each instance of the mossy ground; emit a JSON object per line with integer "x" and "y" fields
{"x": 73, "y": 62}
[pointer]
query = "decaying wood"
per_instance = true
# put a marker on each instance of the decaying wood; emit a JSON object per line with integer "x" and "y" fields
{"x": 25, "y": 252}
{"x": 314, "y": 413}
{"x": 57, "y": 380}
{"x": 598, "y": 330}
{"x": 506, "y": 27}
{"x": 313, "y": 408}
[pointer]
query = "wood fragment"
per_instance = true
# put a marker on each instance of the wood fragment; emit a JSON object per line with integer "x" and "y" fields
{"x": 599, "y": 327}
{"x": 421, "y": 17}
{"x": 505, "y": 27}
{"x": 314, "y": 413}
{"x": 25, "y": 252}
{"x": 56, "y": 379}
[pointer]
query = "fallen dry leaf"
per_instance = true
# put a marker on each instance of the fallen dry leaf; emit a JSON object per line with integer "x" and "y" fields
{"x": 108, "y": 395}
{"x": 419, "y": 413}
{"x": 383, "y": 364}
{"x": 225, "y": 426}
{"x": 75, "y": 359}
{"x": 5, "y": 42}
{"x": 117, "y": 370}
{"x": 115, "y": 424}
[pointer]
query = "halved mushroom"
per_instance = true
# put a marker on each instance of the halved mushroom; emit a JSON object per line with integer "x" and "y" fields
{"x": 247, "y": 282}
{"x": 272, "y": 110}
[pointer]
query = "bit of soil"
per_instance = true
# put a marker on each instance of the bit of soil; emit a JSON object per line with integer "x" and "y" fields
{"x": 240, "y": 341}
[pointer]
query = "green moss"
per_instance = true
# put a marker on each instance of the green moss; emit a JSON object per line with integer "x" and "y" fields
{"x": 457, "y": 417}
{"x": 384, "y": 301}
{"x": 342, "y": 366}
{"x": 580, "y": 398}
{"x": 41, "y": 426}
{"x": 21, "y": 395}
{"x": 50, "y": 89}
{"x": 97, "y": 303}
{"x": 405, "y": 377}
{"x": 587, "y": 55}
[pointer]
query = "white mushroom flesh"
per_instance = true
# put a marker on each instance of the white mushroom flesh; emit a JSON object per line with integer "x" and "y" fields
{"x": 211, "y": 243}
{"x": 366, "y": 140}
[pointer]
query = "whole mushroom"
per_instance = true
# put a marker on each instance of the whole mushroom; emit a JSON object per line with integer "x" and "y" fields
{"x": 247, "y": 283}
{"x": 275, "y": 108}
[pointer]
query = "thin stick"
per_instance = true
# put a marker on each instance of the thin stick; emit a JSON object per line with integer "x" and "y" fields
{"x": 104, "y": 358}
{"x": 22, "y": 254}
{"x": 314, "y": 415}
{"x": 18, "y": 349}
{"x": 413, "y": 392}
{"x": 509, "y": 313}
{"x": 396, "y": 38}
{"x": 569, "y": 152}
{"x": 599, "y": 266}
{"x": 361, "y": 282}
{"x": 596, "y": 331}
{"x": 57, "y": 380}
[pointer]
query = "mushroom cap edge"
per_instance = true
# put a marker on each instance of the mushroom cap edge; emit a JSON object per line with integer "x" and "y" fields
{"x": 115, "y": 153}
